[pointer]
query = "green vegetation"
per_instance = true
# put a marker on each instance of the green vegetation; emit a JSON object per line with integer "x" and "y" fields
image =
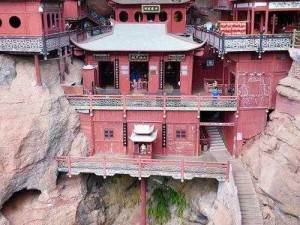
{"x": 162, "y": 198}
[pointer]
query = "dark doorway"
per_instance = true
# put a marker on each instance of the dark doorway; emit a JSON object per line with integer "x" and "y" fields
{"x": 139, "y": 74}
{"x": 106, "y": 74}
{"x": 211, "y": 116}
{"x": 172, "y": 75}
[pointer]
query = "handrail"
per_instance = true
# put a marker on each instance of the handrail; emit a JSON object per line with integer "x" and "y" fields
{"x": 140, "y": 162}
{"x": 152, "y": 102}
{"x": 249, "y": 42}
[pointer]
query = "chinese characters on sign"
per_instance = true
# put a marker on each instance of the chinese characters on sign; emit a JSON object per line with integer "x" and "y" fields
{"x": 150, "y": 8}
{"x": 101, "y": 57}
{"x": 138, "y": 57}
{"x": 176, "y": 58}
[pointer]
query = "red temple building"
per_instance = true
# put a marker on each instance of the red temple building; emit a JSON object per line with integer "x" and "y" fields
{"x": 149, "y": 70}
{"x": 148, "y": 103}
{"x": 33, "y": 28}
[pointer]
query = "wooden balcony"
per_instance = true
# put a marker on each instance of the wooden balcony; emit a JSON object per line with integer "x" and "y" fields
{"x": 240, "y": 43}
{"x": 35, "y": 44}
{"x": 138, "y": 167}
{"x": 153, "y": 102}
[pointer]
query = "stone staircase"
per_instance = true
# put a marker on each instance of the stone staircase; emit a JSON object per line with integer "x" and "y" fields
{"x": 250, "y": 211}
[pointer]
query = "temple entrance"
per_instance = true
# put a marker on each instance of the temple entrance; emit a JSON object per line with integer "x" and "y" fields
{"x": 139, "y": 76}
{"x": 106, "y": 74}
{"x": 172, "y": 75}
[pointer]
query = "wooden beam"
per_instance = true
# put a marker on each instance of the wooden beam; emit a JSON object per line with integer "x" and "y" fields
{"x": 252, "y": 18}
{"x": 143, "y": 201}
{"x": 37, "y": 70}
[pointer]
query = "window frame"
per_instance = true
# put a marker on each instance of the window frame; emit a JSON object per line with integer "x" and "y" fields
{"x": 108, "y": 134}
{"x": 180, "y": 134}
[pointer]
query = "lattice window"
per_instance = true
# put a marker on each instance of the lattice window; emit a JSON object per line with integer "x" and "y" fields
{"x": 108, "y": 134}
{"x": 181, "y": 134}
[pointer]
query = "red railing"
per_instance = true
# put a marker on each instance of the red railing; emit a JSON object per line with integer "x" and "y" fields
{"x": 140, "y": 163}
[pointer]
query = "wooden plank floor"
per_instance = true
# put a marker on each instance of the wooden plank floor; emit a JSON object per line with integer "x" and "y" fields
{"x": 250, "y": 210}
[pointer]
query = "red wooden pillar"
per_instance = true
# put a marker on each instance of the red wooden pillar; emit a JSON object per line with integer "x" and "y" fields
{"x": 252, "y": 18}
{"x": 261, "y": 22}
{"x": 249, "y": 21}
{"x": 267, "y": 18}
{"x": 37, "y": 70}
{"x": 143, "y": 201}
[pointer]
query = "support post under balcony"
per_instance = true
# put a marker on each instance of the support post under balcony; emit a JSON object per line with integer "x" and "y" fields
{"x": 143, "y": 201}
{"x": 37, "y": 70}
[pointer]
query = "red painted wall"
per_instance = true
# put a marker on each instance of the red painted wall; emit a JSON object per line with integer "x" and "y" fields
{"x": 251, "y": 123}
{"x": 229, "y": 132}
{"x": 27, "y": 12}
{"x": 106, "y": 119}
{"x": 71, "y": 9}
{"x": 274, "y": 64}
{"x": 154, "y": 62}
{"x": 172, "y": 25}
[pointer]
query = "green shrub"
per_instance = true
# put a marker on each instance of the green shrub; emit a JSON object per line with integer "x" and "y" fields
{"x": 158, "y": 205}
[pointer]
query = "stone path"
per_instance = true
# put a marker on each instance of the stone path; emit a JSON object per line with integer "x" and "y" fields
{"x": 250, "y": 211}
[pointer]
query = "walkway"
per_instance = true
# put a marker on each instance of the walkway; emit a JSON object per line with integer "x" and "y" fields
{"x": 250, "y": 211}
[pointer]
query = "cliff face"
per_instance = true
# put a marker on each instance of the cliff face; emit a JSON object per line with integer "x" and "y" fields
{"x": 274, "y": 157}
{"x": 36, "y": 125}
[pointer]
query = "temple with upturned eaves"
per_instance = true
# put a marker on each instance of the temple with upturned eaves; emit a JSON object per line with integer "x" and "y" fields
{"x": 160, "y": 96}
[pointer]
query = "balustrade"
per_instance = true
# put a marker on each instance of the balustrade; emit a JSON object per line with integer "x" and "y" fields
{"x": 138, "y": 167}
{"x": 154, "y": 102}
{"x": 251, "y": 42}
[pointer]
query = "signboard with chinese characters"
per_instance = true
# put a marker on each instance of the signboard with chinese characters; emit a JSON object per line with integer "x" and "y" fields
{"x": 101, "y": 57}
{"x": 176, "y": 57}
{"x": 138, "y": 57}
{"x": 150, "y": 8}
{"x": 284, "y": 5}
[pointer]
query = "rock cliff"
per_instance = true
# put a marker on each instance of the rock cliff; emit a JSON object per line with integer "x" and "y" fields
{"x": 37, "y": 123}
{"x": 273, "y": 158}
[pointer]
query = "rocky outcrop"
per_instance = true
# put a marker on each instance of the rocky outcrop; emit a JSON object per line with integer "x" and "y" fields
{"x": 273, "y": 157}
{"x": 7, "y": 70}
{"x": 37, "y": 124}
{"x": 289, "y": 87}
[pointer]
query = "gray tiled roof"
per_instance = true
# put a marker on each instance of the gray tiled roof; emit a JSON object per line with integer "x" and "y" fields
{"x": 145, "y": 37}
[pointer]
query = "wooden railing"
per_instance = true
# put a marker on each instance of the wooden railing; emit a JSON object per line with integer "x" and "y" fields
{"x": 250, "y": 42}
{"x": 204, "y": 137}
{"x": 35, "y": 44}
{"x": 296, "y": 39}
{"x": 139, "y": 167}
{"x": 153, "y": 102}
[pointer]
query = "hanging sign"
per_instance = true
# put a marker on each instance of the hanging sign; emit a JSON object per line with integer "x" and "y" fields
{"x": 150, "y": 8}
{"x": 176, "y": 58}
{"x": 101, "y": 57}
{"x": 138, "y": 57}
